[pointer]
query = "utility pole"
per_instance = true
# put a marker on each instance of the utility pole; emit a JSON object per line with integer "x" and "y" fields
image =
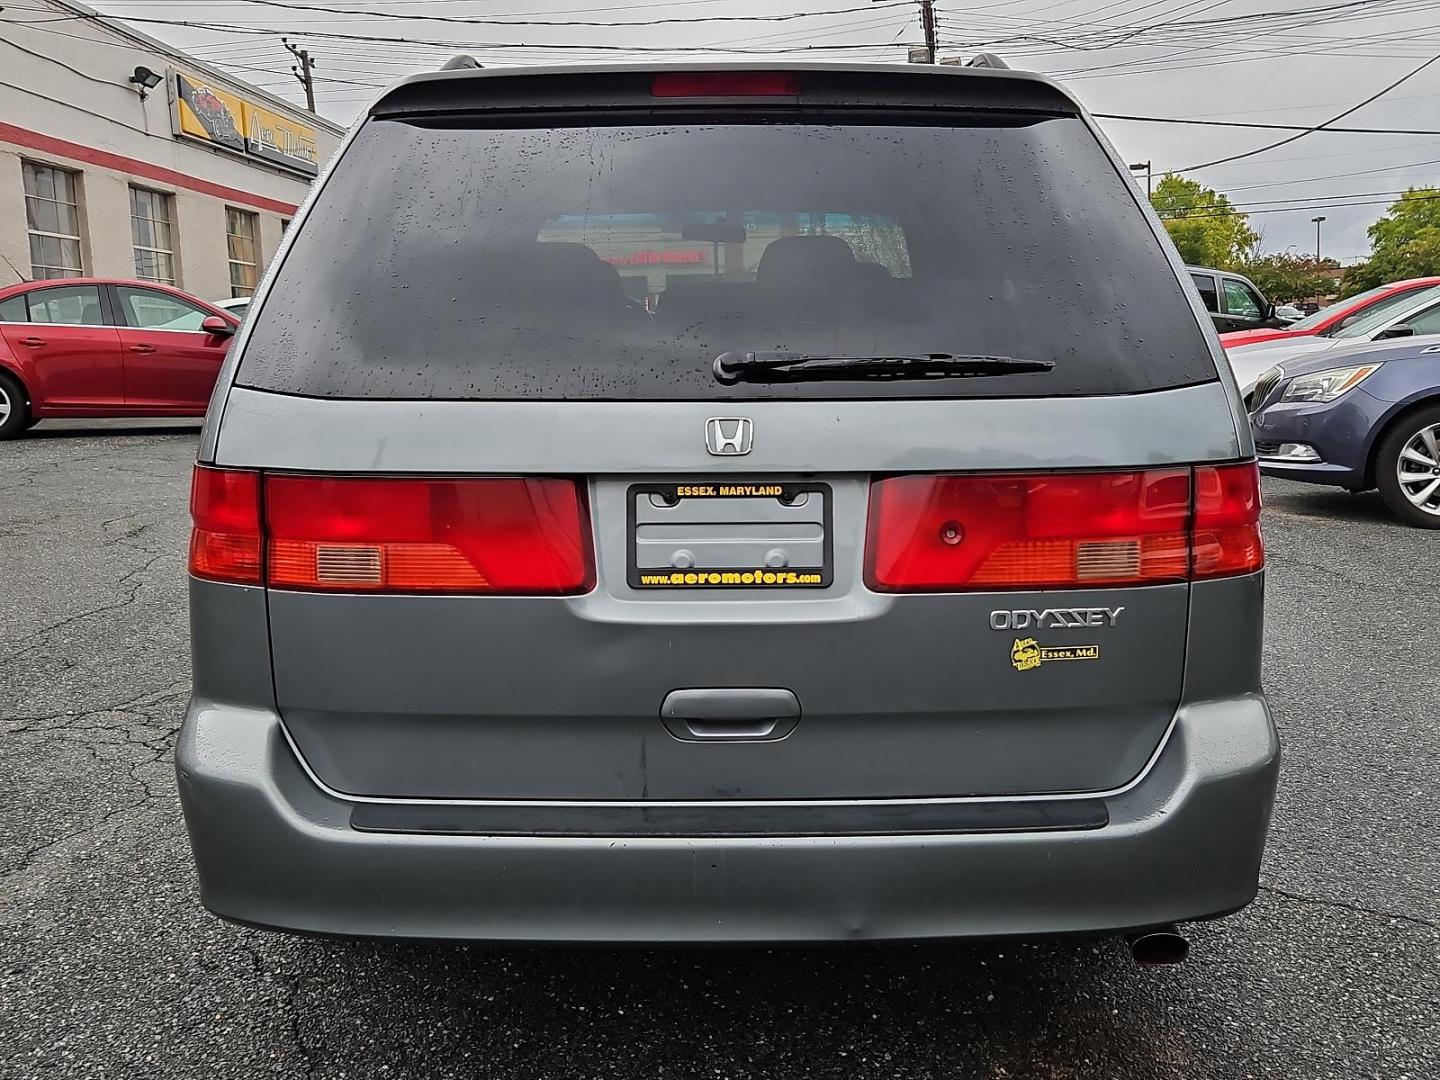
{"x": 1148, "y": 174}
{"x": 927, "y": 23}
{"x": 1317, "y": 221}
{"x": 304, "y": 70}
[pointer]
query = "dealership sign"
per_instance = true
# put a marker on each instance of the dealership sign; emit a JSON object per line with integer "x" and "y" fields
{"x": 220, "y": 118}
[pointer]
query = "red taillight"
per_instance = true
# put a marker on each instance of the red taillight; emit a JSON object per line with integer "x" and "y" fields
{"x": 677, "y": 84}
{"x": 1227, "y": 537}
{"x": 225, "y": 543}
{"x": 356, "y": 534}
{"x": 984, "y": 532}
{"x": 1062, "y": 530}
{"x": 382, "y": 534}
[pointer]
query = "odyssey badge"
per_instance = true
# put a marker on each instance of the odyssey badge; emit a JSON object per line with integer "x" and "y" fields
{"x": 1028, "y": 618}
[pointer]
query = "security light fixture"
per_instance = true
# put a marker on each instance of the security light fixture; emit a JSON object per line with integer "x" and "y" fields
{"x": 145, "y": 80}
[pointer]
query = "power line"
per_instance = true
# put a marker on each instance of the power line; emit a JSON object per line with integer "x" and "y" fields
{"x": 476, "y": 20}
{"x": 1182, "y": 214}
{"x": 334, "y": 35}
{"x": 339, "y": 35}
{"x": 1338, "y": 116}
{"x": 1307, "y": 105}
{"x": 1265, "y": 127}
{"x": 1209, "y": 36}
{"x": 1332, "y": 176}
{"x": 1090, "y": 37}
{"x": 1234, "y": 53}
{"x": 1296, "y": 209}
{"x": 1094, "y": 29}
{"x": 1286, "y": 30}
{"x": 1130, "y": 30}
{"x": 67, "y": 67}
{"x": 519, "y": 48}
{"x": 88, "y": 112}
{"x": 1347, "y": 50}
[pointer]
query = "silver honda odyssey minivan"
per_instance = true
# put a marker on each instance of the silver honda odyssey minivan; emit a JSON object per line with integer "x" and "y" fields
{"x": 726, "y": 503}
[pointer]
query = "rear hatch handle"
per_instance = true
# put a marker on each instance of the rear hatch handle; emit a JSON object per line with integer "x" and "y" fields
{"x": 730, "y": 714}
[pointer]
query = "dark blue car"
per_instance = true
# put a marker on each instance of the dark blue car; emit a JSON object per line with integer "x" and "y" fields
{"x": 1359, "y": 417}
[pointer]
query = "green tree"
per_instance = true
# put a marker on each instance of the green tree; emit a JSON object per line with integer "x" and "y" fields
{"x": 1205, "y": 227}
{"x": 1284, "y": 277}
{"x": 1405, "y": 243}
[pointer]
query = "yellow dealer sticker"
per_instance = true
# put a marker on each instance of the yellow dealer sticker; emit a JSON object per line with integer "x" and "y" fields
{"x": 1027, "y": 654}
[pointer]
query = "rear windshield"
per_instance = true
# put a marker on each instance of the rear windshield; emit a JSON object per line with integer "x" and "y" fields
{"x": 618, "y": 262}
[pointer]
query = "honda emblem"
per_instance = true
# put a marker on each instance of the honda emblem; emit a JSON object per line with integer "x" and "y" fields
{"x": 728, "y": 436}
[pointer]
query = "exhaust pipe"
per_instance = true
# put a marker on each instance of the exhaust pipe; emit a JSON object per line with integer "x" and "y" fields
{"x": 1162, "y": 945}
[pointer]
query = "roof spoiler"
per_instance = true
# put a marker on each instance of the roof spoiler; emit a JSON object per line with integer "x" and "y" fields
{"x": 613, "y": 89}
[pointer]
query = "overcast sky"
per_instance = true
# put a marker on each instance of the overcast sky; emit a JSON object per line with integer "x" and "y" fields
{"x": 1296, "y": 62}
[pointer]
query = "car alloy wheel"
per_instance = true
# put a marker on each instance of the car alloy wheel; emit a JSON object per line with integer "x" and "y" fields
{"x": 5, "y": 405}
{"x": 1417, "y": 468}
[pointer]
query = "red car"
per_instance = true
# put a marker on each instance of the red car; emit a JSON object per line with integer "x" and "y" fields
{"x": 105, "y": 347}
{"x": 1329, "y": 319}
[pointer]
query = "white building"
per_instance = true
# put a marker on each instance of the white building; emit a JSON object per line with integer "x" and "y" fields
{"x": 189, "y": 181}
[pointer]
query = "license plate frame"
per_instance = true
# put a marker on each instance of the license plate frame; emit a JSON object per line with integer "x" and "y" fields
{"x": 718, "y": 578}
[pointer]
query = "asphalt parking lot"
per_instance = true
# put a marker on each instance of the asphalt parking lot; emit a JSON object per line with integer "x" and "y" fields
{"x": 110, "y": 968}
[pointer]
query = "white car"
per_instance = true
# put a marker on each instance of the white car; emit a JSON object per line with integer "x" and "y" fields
{"x": 1288, "y": 313}
{"x": 236, "y": 306}
{"x": 1418, "y": 315}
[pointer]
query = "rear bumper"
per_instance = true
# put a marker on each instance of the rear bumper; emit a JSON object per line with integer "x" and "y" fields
{"x": 273, "y": 849}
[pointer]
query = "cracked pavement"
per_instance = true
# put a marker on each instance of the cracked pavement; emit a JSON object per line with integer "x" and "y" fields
{"x": 110, "y": 968}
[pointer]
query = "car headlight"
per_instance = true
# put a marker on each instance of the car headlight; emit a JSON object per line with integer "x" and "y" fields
{"x": 1324, "y": 386}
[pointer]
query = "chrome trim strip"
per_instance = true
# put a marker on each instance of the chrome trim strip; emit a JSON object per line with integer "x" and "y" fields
{"x": 691, "y": 803}
{"x": 114, "y": 326}
{"x": 163, "y": 330}
{"x": 72, "y": 325}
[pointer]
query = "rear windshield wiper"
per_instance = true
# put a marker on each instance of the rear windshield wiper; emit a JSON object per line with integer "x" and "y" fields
{"x": 774, "y": 367}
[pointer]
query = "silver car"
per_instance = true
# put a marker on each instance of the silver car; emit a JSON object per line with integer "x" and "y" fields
{"x": 645, "y": 506}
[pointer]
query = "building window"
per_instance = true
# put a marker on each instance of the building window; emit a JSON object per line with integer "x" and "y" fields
{"x": 240, "y": 229}
{"x": 52, "y": 214}
{"x": 152, "y": 231}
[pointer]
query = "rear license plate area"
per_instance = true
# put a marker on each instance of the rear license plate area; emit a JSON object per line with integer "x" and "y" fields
{"x": 729, "y": 534}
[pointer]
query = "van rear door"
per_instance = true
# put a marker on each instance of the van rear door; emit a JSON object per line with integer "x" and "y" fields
{"x": 491, "y": 350}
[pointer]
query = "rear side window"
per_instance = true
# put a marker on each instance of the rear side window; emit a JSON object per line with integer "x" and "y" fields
{"x": 1206, "y": 284}
{"x": 67, "y": 305}
{"x": 618, "y": 262}
{"x": 14, "y": 309}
